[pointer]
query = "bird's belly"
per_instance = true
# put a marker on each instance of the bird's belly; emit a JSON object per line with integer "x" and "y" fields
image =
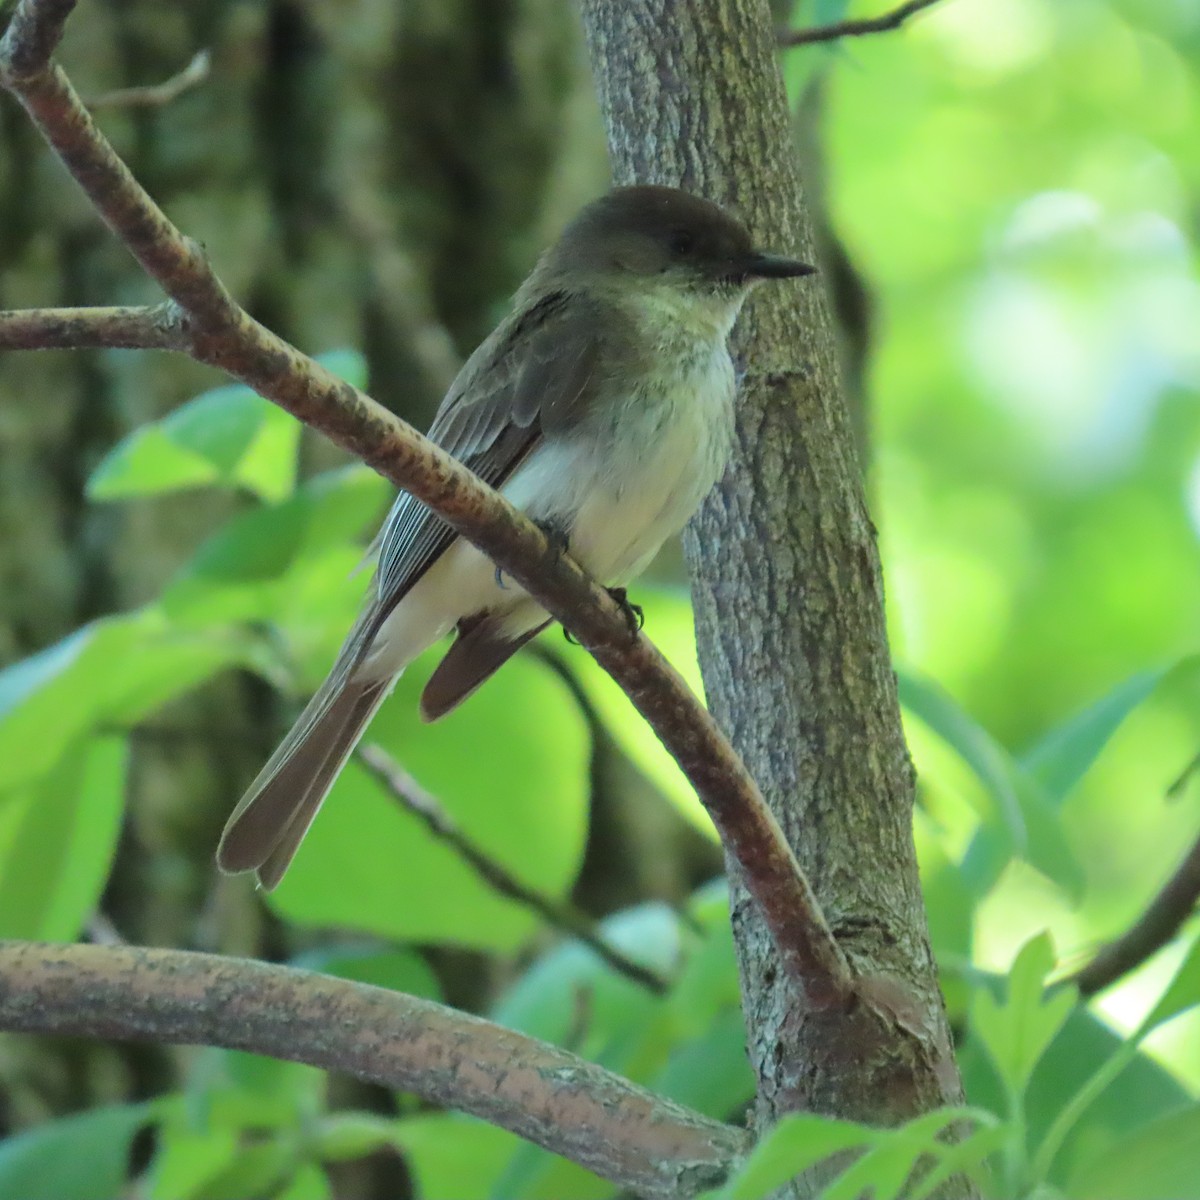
{"x": 618, "y": 500}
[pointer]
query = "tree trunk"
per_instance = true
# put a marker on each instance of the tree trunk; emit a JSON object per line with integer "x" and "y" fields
{"x": 786, "y": 580}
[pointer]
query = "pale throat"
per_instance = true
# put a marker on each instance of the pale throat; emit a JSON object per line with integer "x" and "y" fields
{"x": 670, "y": 314}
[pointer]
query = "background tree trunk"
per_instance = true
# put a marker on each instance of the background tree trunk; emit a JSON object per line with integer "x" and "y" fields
{"x": 786, "y": 578}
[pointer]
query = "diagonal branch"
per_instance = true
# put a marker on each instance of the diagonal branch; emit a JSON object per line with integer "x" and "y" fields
{"x": 1161, "y": 921}
{"x": 645, "y": 1144}
{"x": 840, "y": 29}
{"x": 223, "y": 335}
{"x": 426, "y": 807}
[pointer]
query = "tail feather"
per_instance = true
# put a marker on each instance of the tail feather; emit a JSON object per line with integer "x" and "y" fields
{"x": 481, "y": 648}
{"x": 266, "y": 828}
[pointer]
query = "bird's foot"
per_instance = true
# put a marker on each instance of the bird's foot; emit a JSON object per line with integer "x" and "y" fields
{"x": 634, "y": 614}
{"x": 556, "y": 535}
{"x": 559, "y": 544}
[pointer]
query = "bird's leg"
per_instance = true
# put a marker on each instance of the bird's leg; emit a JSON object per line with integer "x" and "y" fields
{"x": 554, "y": 534}
{"x": 634, "y": 614}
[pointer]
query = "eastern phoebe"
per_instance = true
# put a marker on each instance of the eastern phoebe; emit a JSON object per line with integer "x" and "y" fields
{"x": 602, "y": 407}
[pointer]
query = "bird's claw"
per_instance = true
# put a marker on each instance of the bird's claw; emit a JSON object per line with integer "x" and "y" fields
{"x": 559, "y": 544}
{"x": 634, "y": 614}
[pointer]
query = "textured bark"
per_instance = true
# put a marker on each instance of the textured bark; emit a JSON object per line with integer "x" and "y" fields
{"x": 637, "y": 1140}
{"x": 786, "y": 580}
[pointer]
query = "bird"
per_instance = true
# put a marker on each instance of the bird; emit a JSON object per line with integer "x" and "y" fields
{"x": 602, "y": 407}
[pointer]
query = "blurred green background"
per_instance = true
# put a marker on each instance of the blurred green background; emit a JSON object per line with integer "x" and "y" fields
{"x": 1010, "y": 194}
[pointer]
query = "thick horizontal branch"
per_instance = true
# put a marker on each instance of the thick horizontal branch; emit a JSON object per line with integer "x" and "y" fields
{"x": 843, "y": 29}
{"x": 560, "y": 914}
{"x": 641, "y": 1142}
{"x": 157, "y": 328}
{"x": 1164, "y": 915}
{"x": 223, "y": 335}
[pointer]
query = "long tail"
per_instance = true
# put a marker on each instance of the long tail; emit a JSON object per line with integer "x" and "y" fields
{"x": 270, "y": 822}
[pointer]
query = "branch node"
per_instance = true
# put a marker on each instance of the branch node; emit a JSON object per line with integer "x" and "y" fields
{"x": 31, "y": 38}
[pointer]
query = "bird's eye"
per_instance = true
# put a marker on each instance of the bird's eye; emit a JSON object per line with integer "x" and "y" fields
{"x": 683, "y": 241}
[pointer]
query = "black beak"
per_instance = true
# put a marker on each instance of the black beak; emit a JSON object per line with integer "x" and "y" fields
{"x": 773, "y": 266}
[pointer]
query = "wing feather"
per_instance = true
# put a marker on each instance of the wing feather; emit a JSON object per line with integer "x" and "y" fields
{"x": 521, "y": 383}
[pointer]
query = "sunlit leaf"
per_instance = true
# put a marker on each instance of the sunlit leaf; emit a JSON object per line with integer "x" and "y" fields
{"x": 228, "y": 436}
{"x": 1064, "y": 755}
{"x": 57, "y": 841}
{"x": 1023, "y": 822}
{"x": 1017, "y": 1031}
{"x": 451, "y": 1155}
{"x": 112, "y": 672}
{"x": 794, "y": 1145}
{"x": 884, "y": 1169}
{"x": 187, "y": 1157}
{"x": 1182, "y": 993}
{"x": 978, "y": 749}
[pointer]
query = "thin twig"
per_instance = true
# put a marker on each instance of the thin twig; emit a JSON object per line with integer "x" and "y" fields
{"x": 223, "y": 335}
{"x": 840, "y": 29}
{"x": 158, "y": 94}
{"x": 1161, "y": 921}
{"x": 1176, "y": 789}
{"x": 157, "y": 328}
{"x": 645, "y": 1144}
{"x": 559, "y": 913}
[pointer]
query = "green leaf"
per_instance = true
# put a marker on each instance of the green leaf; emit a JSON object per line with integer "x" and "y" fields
{"x": 258, "y": 1169}
{"x": 188, "y": 1157}
{"x": 236, "y": 1089}
{"x": 1047, "y": 847}
{"x": 308, "y": 1183}
{"x": 511, "y": 766}
{"x": 382, "y": 966}
{"x": 886, "y": 1167}
{"x": 966, "y": 1157}
{"x": 710, "y": 1073}
{"x": 544, "y": 1001}
{"x": 112, "y": 672}
{"x": 1160, "y": 1160}
{"x": 228, "y": 436}
{"x": 669, "y": 622}
{"x": 343, "y": 1136}
{"x": 793, "y": 1146}
{"x": 1017, "y": 1031}
{"x": 57, "y": 841}
{"x": 252, "y": 566}
{"x": 1183, "y": 992}
{"x": 924, "y": 699}
{"x": 84, "y": 1157}
{"x": 1023, "y": 821}
{"x": 1063, "y": 757}
{"x": 454, "y": 1156}
{"x": 149, "y": 462}
{"x": 1144, "y": 1088}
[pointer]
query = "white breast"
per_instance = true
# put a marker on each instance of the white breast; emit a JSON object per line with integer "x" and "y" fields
{"x": 634, "y": 477}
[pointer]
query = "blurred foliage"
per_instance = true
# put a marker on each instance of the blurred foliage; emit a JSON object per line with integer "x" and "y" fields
{"x": 1017, "y": 182}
